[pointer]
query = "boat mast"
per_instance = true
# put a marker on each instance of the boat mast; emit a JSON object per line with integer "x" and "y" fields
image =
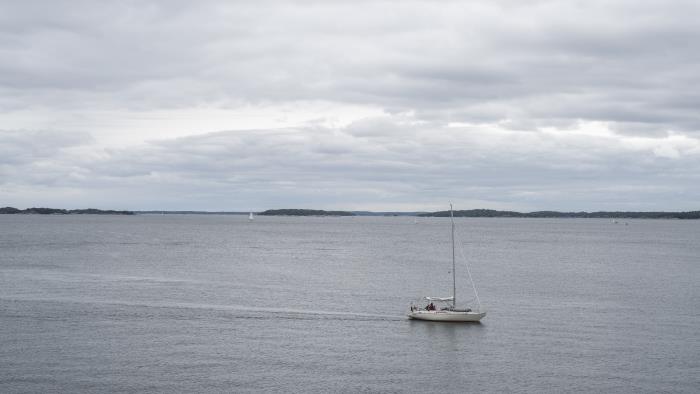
{"x": 454, "y": 283}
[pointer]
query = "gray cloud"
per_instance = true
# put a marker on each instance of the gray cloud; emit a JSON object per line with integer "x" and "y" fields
{"x": 27, "y": 146}
{"x": 546, "y": 61}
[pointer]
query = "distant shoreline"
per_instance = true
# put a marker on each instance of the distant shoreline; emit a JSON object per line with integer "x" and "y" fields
{"x": 473, "y": 213}
{"x": 304, "y": 212}
{"x": 56, "y": 211}
{"x": 555, "y": 214}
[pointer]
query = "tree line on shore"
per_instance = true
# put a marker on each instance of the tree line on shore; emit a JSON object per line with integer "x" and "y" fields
{"x": 58, "y": 211}
{"x": 304, "y": 212}
{"x": 554, "y": 214}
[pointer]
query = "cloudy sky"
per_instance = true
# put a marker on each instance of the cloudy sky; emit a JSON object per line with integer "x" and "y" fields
{"x": 379, "y": 105}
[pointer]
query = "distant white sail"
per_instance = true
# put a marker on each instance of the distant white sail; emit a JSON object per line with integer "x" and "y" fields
{"x": 250, "y": 216}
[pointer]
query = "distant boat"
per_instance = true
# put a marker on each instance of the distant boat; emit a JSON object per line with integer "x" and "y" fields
{"x": 446, "y": 310}
{"x": 250, "y": 217}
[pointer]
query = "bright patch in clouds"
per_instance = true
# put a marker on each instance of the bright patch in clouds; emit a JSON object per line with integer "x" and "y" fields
{"x": 123, "y": 127}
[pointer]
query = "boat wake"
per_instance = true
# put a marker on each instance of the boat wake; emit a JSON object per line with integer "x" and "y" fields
{"x": 224, "y": 311}
{"x": 304, "y": 314}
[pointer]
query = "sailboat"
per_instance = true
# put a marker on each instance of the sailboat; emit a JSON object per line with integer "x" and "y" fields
{"x": 250, "y": 217}
{"x": 446, "y": 309}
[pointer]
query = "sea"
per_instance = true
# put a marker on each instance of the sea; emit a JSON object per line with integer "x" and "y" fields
{"x": 221, "y": 304}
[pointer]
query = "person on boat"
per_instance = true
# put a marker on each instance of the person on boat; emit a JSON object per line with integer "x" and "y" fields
{"x": 430, "y": 307}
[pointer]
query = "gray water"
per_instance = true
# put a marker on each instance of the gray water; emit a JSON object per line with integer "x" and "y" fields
{"x": 218, "y": 304}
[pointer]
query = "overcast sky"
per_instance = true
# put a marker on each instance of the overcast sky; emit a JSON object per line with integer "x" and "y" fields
{"x": 405, "y": 105}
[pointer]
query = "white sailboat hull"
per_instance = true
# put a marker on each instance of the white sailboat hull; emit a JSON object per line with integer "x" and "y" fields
{"x": 447, "y": 316}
